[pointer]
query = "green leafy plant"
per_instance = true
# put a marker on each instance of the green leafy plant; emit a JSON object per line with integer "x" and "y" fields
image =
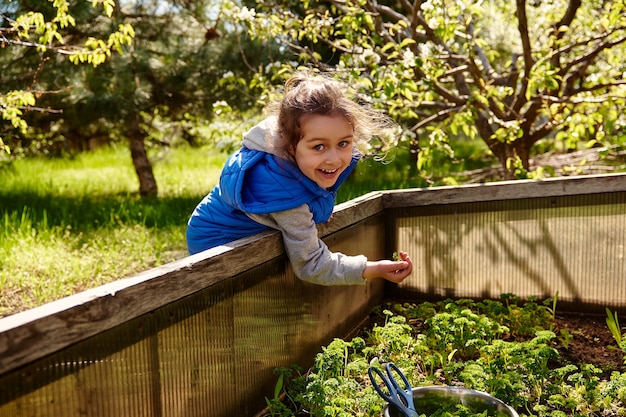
{"x": 462, "y": 343}
{"x": 458, "y": 329}
{"x": 279, "y": 404}
{"x": 275, "y": 405}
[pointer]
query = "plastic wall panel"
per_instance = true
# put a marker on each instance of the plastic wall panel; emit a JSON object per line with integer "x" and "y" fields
{"x": 209, "y": 354}
{"x": 93, "y": 378}
{"x": 573, "y": 245}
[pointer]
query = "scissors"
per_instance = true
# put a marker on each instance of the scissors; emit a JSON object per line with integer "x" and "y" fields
{"x": 399, "y": 396}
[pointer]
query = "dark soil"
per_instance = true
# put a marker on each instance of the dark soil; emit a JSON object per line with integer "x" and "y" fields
{"x": 591, "y": 342}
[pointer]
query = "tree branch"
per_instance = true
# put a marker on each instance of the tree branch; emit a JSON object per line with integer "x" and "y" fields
{"x": 573, "y": 45}
{"x": 566, "y": 21}
{"x": 387, "y": 11}
{"x": 584, "y": 62}
{"x": 480, "y": 84}
{"x": 57, "y": 49}
{"x": 596, "y": 99}
{"x": 377, "y": 12}
{"x": 490, "y": 72}
{"x": 415, "y": 10}
{"x": 442, "y": 115}
{"x": 522, "y": 26}
{"x": 568, "y": 17}
{"x": 588, "y": 59}
{"x": 242, "y": 53}
{"x": 41, "y": 109}
{"x": 600, "y": 48}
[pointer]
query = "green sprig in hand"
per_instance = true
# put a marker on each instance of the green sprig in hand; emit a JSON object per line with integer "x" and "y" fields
{"x": 395, "y": 270}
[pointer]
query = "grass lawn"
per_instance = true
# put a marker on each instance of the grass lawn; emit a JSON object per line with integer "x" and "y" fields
{"x": 73, "y": 224}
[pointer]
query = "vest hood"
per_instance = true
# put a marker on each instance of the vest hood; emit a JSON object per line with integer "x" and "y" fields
{"x": 264, "y": 137}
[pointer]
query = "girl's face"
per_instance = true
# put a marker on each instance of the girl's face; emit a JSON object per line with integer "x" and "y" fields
{"x": 325, "y": 149}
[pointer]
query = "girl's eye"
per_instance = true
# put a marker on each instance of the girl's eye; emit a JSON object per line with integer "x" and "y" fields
{"x": 344, "y": 143}
{"x": 319, "y": 147}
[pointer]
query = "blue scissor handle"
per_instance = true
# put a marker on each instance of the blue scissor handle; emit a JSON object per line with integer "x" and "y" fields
{"x": 399, "y": 396}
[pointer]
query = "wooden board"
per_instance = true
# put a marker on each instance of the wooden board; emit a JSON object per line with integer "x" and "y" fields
{"x": 505, "y": 190}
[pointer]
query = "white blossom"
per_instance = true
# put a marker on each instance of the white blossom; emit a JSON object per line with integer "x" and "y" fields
{"x": 276, "y": 64}
{"x": 408, "y": 58}
{"x": 368, "y": 56}
{"x": 245, "y": 14}
{"x": 326, "y": 22}
{"x": 427, "y": 6}
{"x": 220, "y": 103}
{"x": 425, "y": 50}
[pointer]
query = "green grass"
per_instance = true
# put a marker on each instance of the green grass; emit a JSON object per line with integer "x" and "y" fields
{"x": 72, "y": 224}
{"x": 374, "y": 175}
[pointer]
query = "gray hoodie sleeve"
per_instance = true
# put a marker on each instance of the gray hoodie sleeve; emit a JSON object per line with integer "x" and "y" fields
{"x": 310, "y": 258}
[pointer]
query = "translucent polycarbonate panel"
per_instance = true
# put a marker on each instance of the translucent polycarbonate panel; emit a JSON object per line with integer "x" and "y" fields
{"x": 573, "y": 246}
{"x": 210, "y": 354}
{"x": 105, "y": 376}
{"x": 195, "y": 352}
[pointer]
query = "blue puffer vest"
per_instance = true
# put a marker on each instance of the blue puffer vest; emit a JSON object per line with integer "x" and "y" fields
{"x": 256, "y": 182}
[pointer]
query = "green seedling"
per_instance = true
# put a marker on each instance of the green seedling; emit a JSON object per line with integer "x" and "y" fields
{"x": 613, "y": 323}
{"x": 616, "y": 330}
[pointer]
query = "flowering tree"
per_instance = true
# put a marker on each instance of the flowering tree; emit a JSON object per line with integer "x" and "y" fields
{"x": 514, "y": 74}
{"x": 159, "y": 93}
{"x": 48, "y": 33}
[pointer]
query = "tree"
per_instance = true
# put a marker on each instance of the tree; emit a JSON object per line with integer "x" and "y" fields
{"x": 163, "y": 90}
{"x": 512, "y": 74}
{"x": 44, "y": 34}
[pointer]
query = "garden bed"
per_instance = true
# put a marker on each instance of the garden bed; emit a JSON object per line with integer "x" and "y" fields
{"x": 540, "y": 361}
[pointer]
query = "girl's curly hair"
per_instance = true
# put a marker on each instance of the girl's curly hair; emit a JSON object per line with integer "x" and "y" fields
{"x": 312, "y": 93}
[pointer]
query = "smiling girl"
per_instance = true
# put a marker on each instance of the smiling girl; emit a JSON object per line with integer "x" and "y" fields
{"x": 286, "y": 176}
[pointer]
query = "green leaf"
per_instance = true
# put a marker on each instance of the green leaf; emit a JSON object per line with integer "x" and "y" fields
{"x": 613, "y": 323}
{"x": 279, "y": 385}
{"x": 406, "y": 42}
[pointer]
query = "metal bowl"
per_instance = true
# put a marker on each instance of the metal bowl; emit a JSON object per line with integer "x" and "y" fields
{"x": 432, "y": 398}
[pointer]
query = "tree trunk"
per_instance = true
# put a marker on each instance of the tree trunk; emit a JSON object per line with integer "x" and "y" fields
{"x": 143, "y": 168}
{"x": 511, "y": 151}
{"x": 519, "y": 148}
{"x": 522, "y": 150}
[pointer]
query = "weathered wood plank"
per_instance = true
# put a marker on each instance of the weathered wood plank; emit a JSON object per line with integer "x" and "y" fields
{"x": 352, "y": 212}
{"x": 506, "y": 190}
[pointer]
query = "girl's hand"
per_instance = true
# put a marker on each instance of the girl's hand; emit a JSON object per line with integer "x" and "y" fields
{"x": 394, "y": 271}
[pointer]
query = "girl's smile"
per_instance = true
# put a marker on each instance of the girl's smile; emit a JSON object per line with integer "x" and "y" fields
{"x": 325, "y": 149}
